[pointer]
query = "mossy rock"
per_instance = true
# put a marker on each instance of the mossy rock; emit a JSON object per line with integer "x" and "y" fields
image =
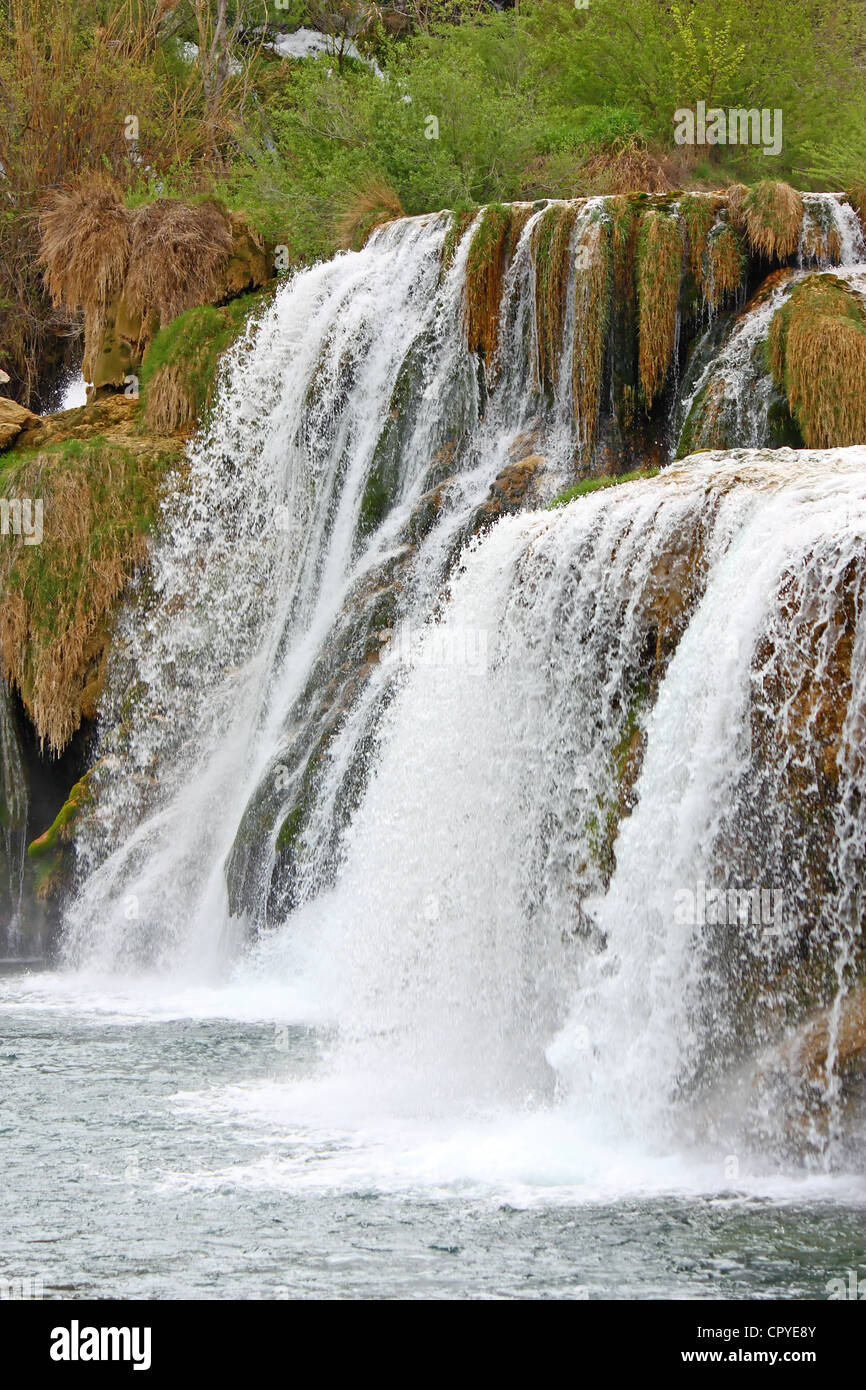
{"x": 179, "y": 370}
{"x": 101, "y": 497}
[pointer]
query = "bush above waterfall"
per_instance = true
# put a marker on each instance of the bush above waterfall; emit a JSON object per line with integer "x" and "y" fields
{"x": 545, "y": 100}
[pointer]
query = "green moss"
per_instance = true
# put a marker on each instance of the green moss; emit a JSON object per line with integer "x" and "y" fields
{"x": 596, "y": 484}
{"x": 460, "y": 223}
{"x": 54, "y": 840}
{"x": 383, "y": 480}
{"x": 784, "y": 431}
{"x": 602, "y": 826}
{"x": 186, "y": 353}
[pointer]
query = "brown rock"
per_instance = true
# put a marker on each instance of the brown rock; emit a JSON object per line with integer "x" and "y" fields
{"x": 13, "y": 418}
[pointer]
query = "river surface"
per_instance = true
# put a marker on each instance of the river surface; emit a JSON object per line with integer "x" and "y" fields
{"x": 160, "y": 1146}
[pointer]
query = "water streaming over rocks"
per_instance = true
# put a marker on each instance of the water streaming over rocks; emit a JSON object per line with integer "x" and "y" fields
{"x": 14, "y": 806}
{"x": 533, "y": 822}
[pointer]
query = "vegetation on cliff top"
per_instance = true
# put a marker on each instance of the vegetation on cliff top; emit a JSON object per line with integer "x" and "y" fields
{"x": 587, "y": 485}
{"x": 466, "y": 105}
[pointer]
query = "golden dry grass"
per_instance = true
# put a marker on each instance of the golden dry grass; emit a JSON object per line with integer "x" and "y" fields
{"x": 85, "y": 247}
{"x": 170, "y": 405}
{"x": 699, "y": 215}
{"x": 551, "y": 246}
{"x": 372, "y": 204}
{"x": 177, "y": 258}
{"x": 723, "y": 267}
{"x": 629, "y": 165}
{"x": 658, "y": 271}
{"x": 99, "y": 500}
{"x": 818, "y": 357}
{"x": 772, "y": 214}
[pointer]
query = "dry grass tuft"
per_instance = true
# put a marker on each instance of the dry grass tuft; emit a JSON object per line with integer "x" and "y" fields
{"x": 723, "y": 267}
{"x": 372, "y": 204}
{"x": 170, "y": 404}
{"x": 85, "y": 247}
{"x": 178, "y": 257}
{"x": 99, "y": 501}
{"x": 772, "y": 214}
{"x": 658, "y": 271}
{"x": 736, "y": 195}
{"x": 592, "y": 299}
{"x": 551, "y": 247}
{"x": 699, "y": 215}
{"x": 629, "y": 165}
{"x": 818, "y": 357}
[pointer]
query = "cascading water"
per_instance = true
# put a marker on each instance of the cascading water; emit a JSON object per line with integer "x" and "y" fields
{"x": 455, "y": 809}
{"x": 14, "y": 806}
{"x": 730, "y": 394}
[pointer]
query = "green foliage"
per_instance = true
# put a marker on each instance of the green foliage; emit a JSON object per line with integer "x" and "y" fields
{"x": 597, "y": 484}
{"x": 470, "y": 106}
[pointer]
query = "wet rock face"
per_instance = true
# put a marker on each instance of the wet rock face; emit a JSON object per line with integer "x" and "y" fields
{"x": 810, "y": 1091}
{"x": 516, "y": 487}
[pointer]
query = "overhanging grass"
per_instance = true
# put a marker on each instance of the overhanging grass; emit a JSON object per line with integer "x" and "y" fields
{"x": 179, "y": 370}
{"x": 817, "y": 355}
{"x": 100, "y": 499}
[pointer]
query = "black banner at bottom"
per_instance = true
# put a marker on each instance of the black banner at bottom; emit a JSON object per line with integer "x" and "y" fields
{"x": 81, "y": 1339}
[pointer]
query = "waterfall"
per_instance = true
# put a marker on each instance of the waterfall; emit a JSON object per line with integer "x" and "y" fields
{"x": 14, "y": 807}
{"x": 730, "y": 396}
{"x": 476, "y": 784}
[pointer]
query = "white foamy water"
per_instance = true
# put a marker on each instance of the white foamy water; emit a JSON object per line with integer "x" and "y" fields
{"x": 379, "y": 900}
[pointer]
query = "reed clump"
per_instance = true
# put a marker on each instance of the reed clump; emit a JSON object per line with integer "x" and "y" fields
{"x": 372, "y": 204}
{"x": 178, "y": 256}
{"x": 723, "y": 267}
{"x": 699, "y": 215}
{"x": 85, "y": 247}
{"x": 772, "y": 215}
{"x": 817, "y": 351}
{"x": 551, "y": 247}
{"x": 658, "y": 270}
